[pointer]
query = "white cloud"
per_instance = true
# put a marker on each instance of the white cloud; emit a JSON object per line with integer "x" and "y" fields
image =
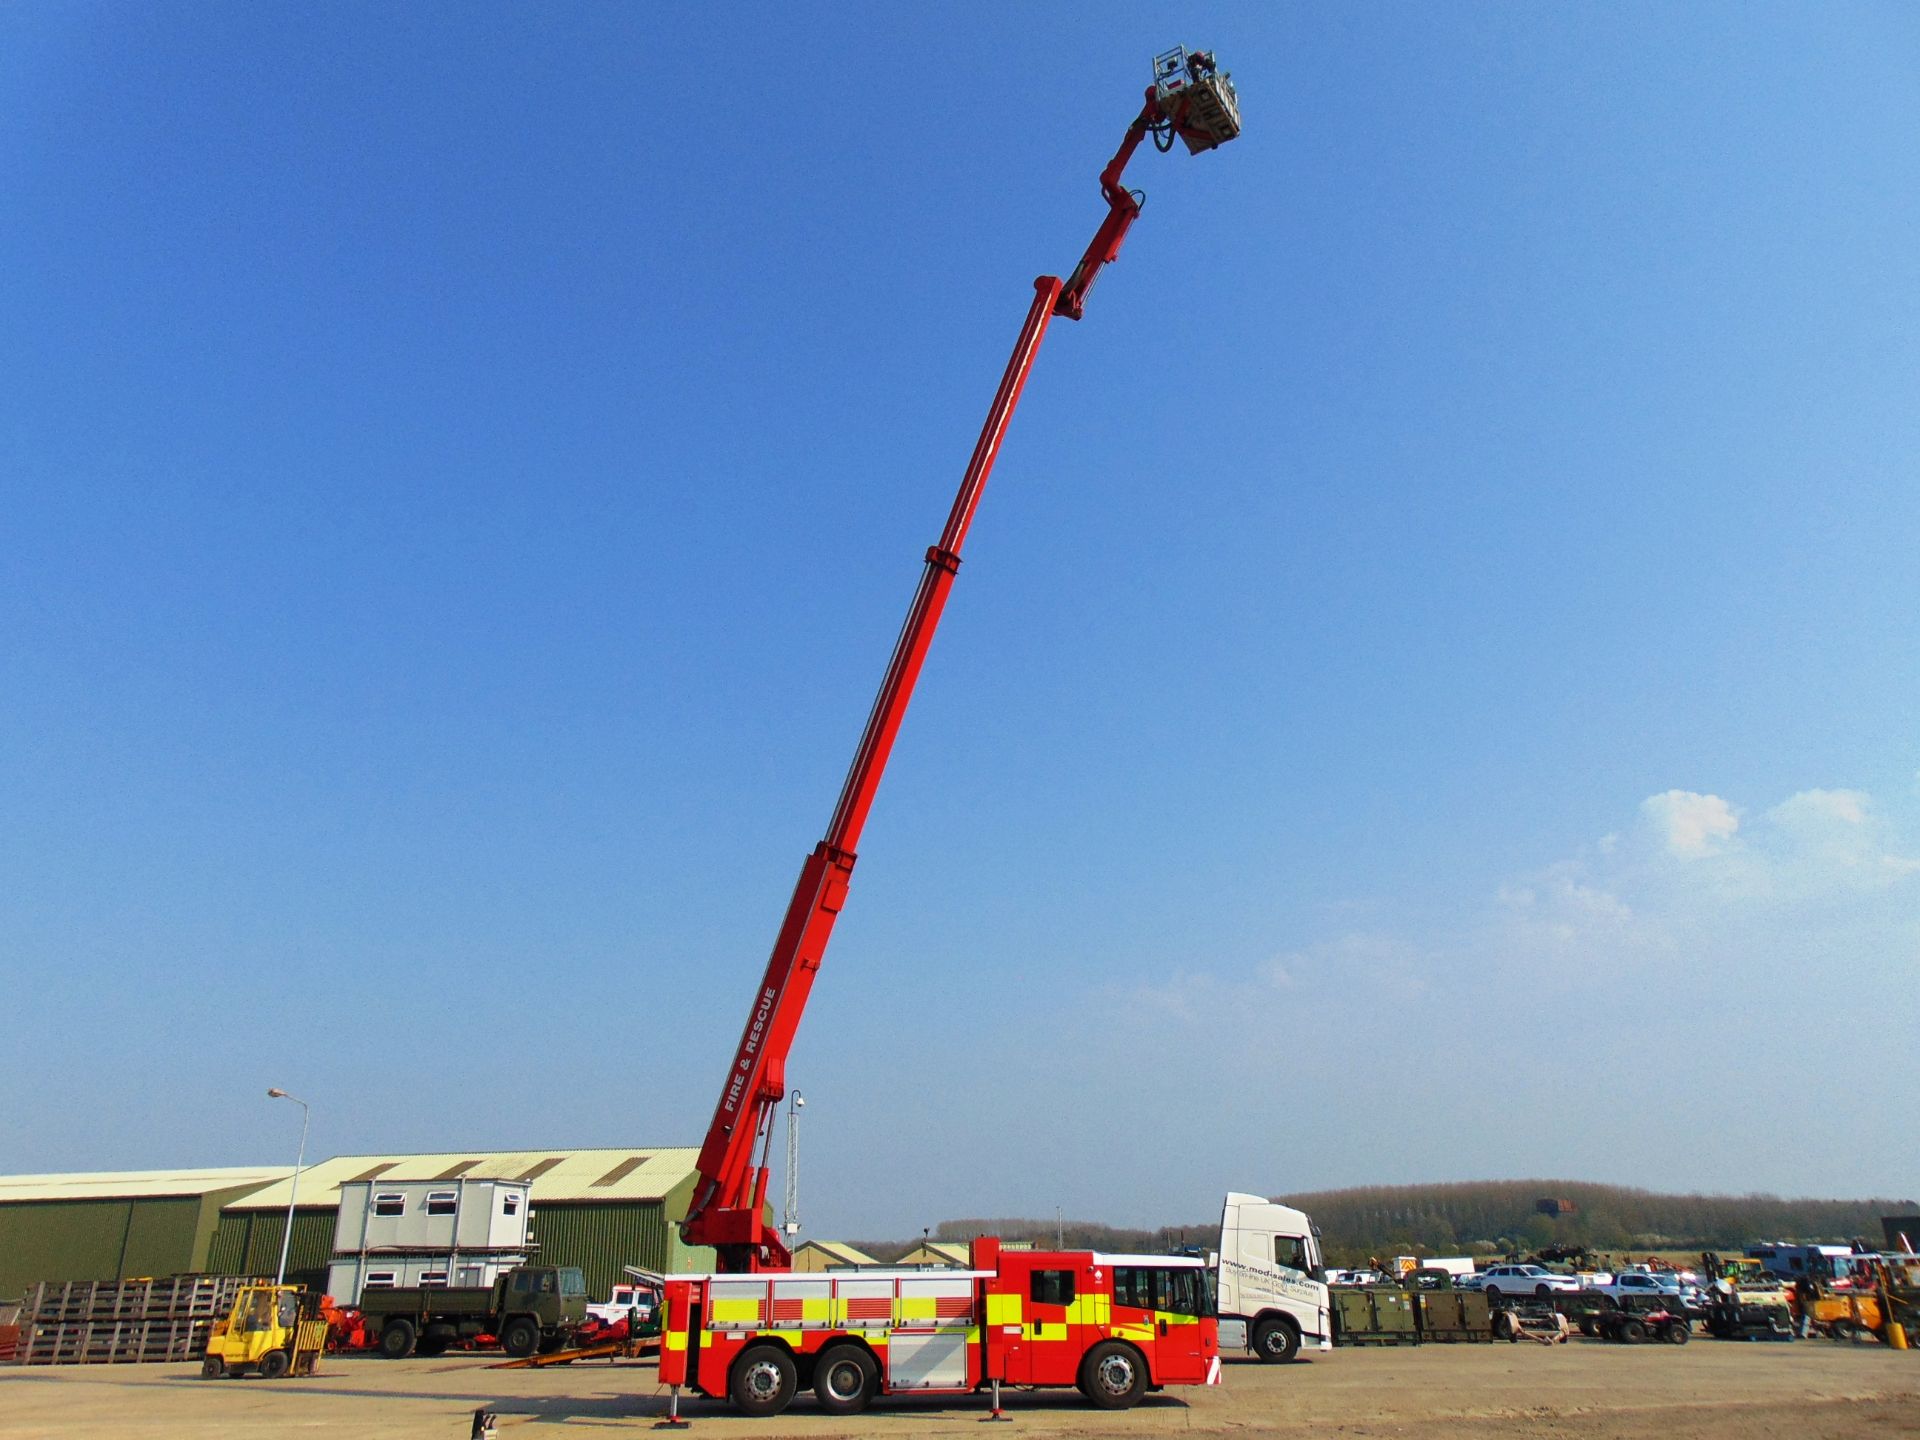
{"x": 1848, "y": 807}
{"x": 1690, "y": 824}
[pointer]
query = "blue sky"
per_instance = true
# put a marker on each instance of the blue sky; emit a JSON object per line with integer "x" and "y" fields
{"x": 461, "y": 472}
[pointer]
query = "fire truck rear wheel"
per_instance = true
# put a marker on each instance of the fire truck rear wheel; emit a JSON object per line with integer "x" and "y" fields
{"x": 843, "y": 1379}
{"x": 1113, "y": 1376}
{"x": 763, "y": 1381}
{"x": 1275, "y": 1341}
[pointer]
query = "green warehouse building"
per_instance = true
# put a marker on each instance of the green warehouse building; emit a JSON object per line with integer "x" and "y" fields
{"x": 116, "y": 1226}
{"x": 600, "y": 1209}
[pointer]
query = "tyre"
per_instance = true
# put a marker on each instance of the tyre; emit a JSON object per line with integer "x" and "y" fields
{"x": 1275, "y": 1341}
{"x": 1502, "y": 1324}
{"x": 396, "y": 1340}
{"x": 1632, "y": 1331}
{"x": 1493, "y": 1293}
{"x": 553, "y": 1342}
{"x": 275, "y": 1363}
{"x": 431, "y": 1345}
{"x": 844, "y": 1379}
{"x": 1113, "y": 1376}
{"x": 212, "y": 1368}
{"x": 1543, "y": 1291}
{"x": 520, "y": 1337}
{"x": 1588, "y": 1328}
{"x": 1678, "y": 1333}
{"x": 763, "y": 1380}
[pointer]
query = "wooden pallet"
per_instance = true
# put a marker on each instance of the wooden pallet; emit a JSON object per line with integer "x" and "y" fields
{"x": 121, "y": 1322}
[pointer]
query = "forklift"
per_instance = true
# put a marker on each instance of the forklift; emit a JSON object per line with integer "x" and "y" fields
{"x": 274, "y": 1330}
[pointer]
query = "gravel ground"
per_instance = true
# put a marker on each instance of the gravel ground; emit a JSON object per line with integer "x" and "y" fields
{"x": 1715, "y": 1390}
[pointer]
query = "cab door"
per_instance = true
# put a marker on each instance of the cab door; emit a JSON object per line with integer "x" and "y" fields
{"x": 1184, "y": 1338}
{"x": 1045, "y": 1286}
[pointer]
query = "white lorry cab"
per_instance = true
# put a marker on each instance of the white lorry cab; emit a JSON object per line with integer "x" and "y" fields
{"x": 1272, "y": 1299}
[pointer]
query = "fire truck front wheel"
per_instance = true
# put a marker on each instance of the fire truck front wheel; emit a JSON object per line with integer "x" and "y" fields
{"x": 844, "y": 1380}
{"x": 1113, "y": 1376}
{"x": 763, "y": 1381}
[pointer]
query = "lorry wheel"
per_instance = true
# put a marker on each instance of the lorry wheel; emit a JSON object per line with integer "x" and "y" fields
{"x": 431, "y": 1345}
{"x": 1275, "y": 1341}
{"x": 763, "y": 1381}
{"x": 396, "y": 1340}
{"x": 520, "y": 1337}
{"x": 275, "y": 1363}
{"x": 1113, "y": 1376}
{"x": 843, "y": 1379}
{"x": 212, "y": 1368}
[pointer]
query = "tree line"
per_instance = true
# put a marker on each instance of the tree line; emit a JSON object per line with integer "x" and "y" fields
{"x": 1477, "y": 1217}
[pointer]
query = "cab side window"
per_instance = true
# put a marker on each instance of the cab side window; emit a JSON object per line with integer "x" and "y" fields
{"x": 1290, "y": 1251}
{"x": 1133, "y": 1287}
{"x": 1052, "y": 1287}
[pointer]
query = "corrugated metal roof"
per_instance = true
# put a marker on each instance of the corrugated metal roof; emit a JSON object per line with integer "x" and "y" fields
{"x": 134, "y": 1184}
{"x": 556, "y": 1174}
{"x": 835, "y": 1252}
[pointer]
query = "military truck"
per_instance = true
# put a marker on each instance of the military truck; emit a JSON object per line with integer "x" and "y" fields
{"x": 529, "y": 1308}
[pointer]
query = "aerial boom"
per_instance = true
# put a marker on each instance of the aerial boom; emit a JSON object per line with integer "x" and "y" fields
{"x": 1190, "y": 99}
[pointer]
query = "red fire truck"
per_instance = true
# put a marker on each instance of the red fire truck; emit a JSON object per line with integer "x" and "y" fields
{"x": 1114, "y": 1326}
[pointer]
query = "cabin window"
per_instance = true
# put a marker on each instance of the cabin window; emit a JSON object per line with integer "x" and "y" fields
{"x": 1052, "y": 1287}
{"x": 442, "y": 1202}
{"x": 1290, "y": 1251}
{"x": 510, "y": 1204}
{"x": 433, "y": 1279}
{"x": 390, "y": 1205}
{"x": 378, "y": 1280}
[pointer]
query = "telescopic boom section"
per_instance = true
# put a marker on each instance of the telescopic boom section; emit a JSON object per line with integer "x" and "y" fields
{"x": 728, "y": 1205}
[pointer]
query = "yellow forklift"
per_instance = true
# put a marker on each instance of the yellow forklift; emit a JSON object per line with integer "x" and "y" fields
{"x": 274, "y": 1330}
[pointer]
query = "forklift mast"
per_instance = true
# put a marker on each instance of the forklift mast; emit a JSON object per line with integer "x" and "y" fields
{"x": 1191, "y": 100}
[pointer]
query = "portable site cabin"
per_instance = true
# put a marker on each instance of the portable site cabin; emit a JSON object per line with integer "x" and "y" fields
{"x": 459, "y": 1232}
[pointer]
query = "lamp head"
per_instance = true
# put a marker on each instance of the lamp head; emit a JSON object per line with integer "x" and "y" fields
{"x": 276, "y": 1094}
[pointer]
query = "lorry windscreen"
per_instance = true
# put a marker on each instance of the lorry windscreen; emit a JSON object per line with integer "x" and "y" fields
{"x": 572, "y": 1282}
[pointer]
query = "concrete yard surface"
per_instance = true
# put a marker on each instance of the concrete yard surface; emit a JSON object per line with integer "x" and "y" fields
{"x": 1813, "y": 1390}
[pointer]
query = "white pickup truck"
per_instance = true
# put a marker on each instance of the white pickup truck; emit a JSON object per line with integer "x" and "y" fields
{"x": 625, "y": 1298}
{"x": 1656, "y": 1285}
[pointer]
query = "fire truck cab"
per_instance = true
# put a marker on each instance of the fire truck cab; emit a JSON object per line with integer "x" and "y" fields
{"x": 1113, "y": 1326}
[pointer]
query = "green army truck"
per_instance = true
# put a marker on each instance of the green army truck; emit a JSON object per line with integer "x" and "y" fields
{"x": 529, "y": 1308}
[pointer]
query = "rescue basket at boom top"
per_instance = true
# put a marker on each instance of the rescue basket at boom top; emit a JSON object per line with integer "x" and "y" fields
{"x": 1191, "y": 100}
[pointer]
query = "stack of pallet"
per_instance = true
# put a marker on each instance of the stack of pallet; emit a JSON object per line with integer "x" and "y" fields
{"x": 120, "y": 1322}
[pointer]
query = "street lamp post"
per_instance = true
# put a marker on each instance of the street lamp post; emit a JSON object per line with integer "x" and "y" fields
{"x": 300, "y": 1160}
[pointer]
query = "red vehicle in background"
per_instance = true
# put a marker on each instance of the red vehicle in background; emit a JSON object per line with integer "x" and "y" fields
{"x": 1112, "y": 1326}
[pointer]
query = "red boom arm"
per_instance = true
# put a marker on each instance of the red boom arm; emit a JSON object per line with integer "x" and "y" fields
{"x": 730, "y": 1192}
